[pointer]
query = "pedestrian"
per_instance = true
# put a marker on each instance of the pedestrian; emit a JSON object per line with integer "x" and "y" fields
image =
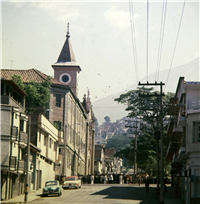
{"x": 111, "y": 178}
{"x": 92, "y": 179}
{"x": 104, "y": 179}
{"x": 120, "y": 179}
{"x": 147, "y": 182}
{"x": 139, "y": 179}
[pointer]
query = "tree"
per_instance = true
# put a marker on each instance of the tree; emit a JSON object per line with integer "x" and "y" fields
{"x": 38, "y": 93}
{"x": 149, "y": 108}
{"x": 107, "y": 119}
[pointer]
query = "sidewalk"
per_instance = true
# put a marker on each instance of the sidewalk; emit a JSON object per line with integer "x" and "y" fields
{"x": 33, "y": 195}
{"x": 170, "y": 197}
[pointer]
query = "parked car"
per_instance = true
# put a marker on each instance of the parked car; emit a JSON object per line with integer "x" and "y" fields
{"x": 72, "y": 182}
{"x": 52, "y": 187}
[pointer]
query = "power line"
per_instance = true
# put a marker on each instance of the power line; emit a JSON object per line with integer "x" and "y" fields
{"x": 162, "y": 29}
{"x": 175, "y": 43}
{"x": 133, "y": 39}
{"x": 147, "y": 35}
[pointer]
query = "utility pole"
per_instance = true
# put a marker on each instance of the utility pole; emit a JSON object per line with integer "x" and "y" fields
{"x": 135, "y": 148}
{"x": 161, "y": 135}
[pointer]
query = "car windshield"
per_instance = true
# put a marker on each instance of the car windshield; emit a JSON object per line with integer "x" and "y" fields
{"x": 49, "y": 183}
{"x": 70, "y": 179}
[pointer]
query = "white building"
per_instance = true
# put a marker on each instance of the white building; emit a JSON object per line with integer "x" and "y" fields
{"x": 184, "y": 147}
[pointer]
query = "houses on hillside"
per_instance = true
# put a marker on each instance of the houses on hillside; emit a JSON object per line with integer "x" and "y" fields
{"x": 184, "y": 134}
{"x": 61, "y": 142}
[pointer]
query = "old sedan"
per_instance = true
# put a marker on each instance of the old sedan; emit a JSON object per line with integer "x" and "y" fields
{"x": 72, "y": 182}
{"x": 52, "y": 187}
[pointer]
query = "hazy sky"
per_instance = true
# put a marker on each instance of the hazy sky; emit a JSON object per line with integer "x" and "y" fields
{"x": 33, "y": 34}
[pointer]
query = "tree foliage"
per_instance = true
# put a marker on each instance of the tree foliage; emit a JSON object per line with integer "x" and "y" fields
{"x": 107, "y": 119}
{"x": 38, "y": 93}
{"x": 149, "y": 109}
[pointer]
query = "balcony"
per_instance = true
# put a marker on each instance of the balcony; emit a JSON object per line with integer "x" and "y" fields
{"x": 177, "y": 134}
{"x": 181, "y": 121}
{"x": 23, "y": 139}
{"x": 170, "y": 128}
{"x": 20, "y": 166}
{"x": 14, "y": 133}
{"x": 172, "y": 148}
{"x": 13, "y": 162}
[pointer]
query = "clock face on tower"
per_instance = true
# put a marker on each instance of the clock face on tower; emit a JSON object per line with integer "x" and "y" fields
{"x": 65, "y": 78}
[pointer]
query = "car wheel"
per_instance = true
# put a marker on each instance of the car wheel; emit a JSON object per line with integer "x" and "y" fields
{"x": 58, "y": 194}
{"x": 77, "y": 187}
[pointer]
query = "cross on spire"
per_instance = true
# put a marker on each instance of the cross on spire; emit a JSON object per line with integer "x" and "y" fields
{"x": 68, "y": 35}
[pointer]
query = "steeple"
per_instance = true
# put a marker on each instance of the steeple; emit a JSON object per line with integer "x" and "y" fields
{"x": 67, "y": 54}
{"x": 66, "y": 69}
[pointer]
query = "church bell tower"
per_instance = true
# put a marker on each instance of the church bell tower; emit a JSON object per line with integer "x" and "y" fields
{"x": 66, "y": 70}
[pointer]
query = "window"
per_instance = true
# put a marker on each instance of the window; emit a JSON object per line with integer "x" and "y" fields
{"x": 45, "y": 140}
{"x": 2, "y": 86}
{"x": 196, "y": 133}
{"x": 57, "y": 124}
{"x": 58, "y": 100}
{"x": 21, "y": 126}
{"x": 60, "y": 151}
{"x": 39, "y": 136}
{"x": 50, "y": 143}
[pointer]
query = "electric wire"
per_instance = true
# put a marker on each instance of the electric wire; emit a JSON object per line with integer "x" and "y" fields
{"x": 175, "y": 44}
{"x": 133, "y": 39}
{"x": 147, "y": 37}
{"x": 162, "y": 29}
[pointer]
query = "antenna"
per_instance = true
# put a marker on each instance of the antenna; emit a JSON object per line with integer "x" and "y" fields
{"x": 11, "y": 61}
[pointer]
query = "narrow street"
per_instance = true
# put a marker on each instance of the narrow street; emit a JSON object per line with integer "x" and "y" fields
{"x": 116, "y": 194}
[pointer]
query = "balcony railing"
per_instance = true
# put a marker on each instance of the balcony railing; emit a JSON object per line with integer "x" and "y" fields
{"x": 14, "y": 133}
{"x": 23, "y": 137}
{"x": 20, "y": 165}
{"x": 193, "y": 104}
{"x": 13, "y": 162}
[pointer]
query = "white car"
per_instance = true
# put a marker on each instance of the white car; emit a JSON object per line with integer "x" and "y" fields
{"x": 72, "y": 182}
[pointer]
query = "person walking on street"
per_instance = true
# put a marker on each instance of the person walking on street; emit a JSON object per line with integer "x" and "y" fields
{"x": 104, "y": 178}
{"x": 139, "y": 180}
{"x": 147, "y": 182}
{"x": 120, "y": 179}
{"x": 92, "y": 179}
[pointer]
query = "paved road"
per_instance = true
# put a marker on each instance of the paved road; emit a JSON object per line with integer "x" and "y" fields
{"x": 98, "y": 194}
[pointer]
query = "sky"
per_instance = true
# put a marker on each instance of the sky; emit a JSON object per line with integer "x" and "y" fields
{"x": 33, "y": 33}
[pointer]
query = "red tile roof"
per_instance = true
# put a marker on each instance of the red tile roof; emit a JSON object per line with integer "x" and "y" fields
{"x": 28, "y": 75}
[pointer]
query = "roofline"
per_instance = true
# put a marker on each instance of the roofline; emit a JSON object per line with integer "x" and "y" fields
{"x": 179, "y": 82}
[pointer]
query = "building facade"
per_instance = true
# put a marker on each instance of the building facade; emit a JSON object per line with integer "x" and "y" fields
{"x": 184, "y": 147}
{"x": 13, "y": 139}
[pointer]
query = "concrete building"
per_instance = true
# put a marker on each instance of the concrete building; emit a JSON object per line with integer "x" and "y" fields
{"x": 13, "y": 139}
{"x": 99, "y": 162}
{"x": 184, "y": 147}
{"x": 44, "y": 151}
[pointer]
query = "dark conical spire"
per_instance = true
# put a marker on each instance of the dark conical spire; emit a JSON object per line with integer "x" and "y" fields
{"x": 67, "y": 54}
